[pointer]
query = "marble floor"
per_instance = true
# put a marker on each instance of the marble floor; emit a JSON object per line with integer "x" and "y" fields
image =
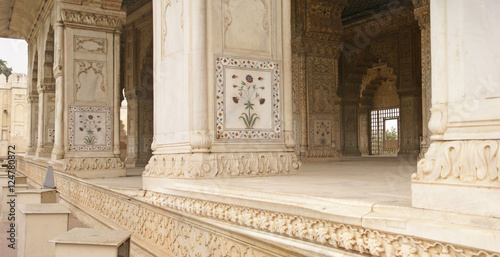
{"x": 366, "y": 179}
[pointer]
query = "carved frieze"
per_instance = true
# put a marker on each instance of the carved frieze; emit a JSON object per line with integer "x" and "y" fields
{"x": 92, "y": 163}
{"x": 473, "y": 162}
{"x": 323, "y": 232}
{"x": 222, "y": 165}
{"x": 75, "y": 17}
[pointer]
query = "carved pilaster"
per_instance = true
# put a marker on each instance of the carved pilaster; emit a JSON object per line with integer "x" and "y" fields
{"x": 422, "y": 14}
{"x": 317, "y": 29}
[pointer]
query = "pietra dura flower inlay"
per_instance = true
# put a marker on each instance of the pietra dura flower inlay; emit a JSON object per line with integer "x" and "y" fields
{"x": 90, "y": 128}
{"x": 247, "y": 99}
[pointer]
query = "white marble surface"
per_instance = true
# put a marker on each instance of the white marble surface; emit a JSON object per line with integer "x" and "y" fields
{"x": 92, "y": 236}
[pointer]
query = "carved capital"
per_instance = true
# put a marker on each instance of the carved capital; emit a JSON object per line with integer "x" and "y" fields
{"x": 58, "y": 71}
{"x": 46, "y": 88}
{"x": 422, "y": 13}
{"x": 82, "y": 18}
{"x": 32, "y": 99}
{"x": 323, "y": 19}
{"x": 204, "y": 165}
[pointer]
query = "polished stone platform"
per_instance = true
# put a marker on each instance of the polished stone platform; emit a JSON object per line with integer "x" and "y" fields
{"x": 364, "y": 197}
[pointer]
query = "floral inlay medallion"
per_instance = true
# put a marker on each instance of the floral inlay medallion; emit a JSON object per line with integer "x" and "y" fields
{"x": 90, "y": 128}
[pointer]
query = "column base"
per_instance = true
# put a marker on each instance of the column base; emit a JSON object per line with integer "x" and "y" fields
{"x": 210, "y": 165}
{"x": 444, "y": 197}
{"x": 94, "y": 167}
{"x": 31, "y": 151}
{"x": 57, "y": 153}
{"x": 43, "y": 151}
{"x": 459, "y": 176}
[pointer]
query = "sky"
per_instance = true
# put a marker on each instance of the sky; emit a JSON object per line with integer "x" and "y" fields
{"x": 15, "y": 52}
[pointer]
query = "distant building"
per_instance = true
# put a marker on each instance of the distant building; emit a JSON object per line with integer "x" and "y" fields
{"x": 13, "y": 101}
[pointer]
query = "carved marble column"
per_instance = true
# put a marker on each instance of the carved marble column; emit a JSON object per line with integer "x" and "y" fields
{"x": 91, "y": 97}
{"x": 350, "y": 110}
{"x": 58, "y": 151}
{"x": 364, "y": 130}
{"x": 32, "y": 140}
{"x": 139, "y": 85}
{"x": 220, "y": 95}
{"x": 460, "y": 171}
{"x": 45, "y": 119}
{"x": 422, "y": 14}
{"x": 316, "y": 32}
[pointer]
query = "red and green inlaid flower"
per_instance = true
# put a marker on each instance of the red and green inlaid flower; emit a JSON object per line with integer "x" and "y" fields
{"x": 249, "y": 93}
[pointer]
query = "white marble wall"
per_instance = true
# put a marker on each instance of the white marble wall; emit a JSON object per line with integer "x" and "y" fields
{"x": 460, "y": 170}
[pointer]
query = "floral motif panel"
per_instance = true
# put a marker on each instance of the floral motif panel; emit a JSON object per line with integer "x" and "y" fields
{"x": 89, "y": 128}
{"x": 247, "y": 99}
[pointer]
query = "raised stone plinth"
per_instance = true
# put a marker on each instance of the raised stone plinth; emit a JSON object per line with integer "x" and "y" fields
{"x": 36, "y": 196}
{"x": 83, "y": 242}
{"x": 37, "y": 224}
{"x": 9, "y": 195}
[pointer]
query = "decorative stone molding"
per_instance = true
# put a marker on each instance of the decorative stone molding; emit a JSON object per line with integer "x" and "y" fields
{"x": 169, "y": 234}
{"x": 332, "y": 234}
{"x": 422, "y": 13}
{"x": 290, "y": 139}
{"x": 200, "y": 139}
{"x": 438, "y": 121}
{"x": 92, "y": 163}
{"x": 32, "y": 99}
{"x": 74, "y": 17}
{"x": 461, "y": 162}
{"x": 221, "y": 165}
{"x": 46, "y": 88}
{"x": 90, "y": 45}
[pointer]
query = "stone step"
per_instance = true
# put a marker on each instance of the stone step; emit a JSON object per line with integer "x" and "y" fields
{"x": 82, "y": 242}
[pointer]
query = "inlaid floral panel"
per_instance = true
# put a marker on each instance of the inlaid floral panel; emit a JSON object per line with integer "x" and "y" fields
{"x": 248, "y": 96}
{"x": 89, "y": 128}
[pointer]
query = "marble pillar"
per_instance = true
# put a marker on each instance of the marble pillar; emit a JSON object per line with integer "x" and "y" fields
{"x": 220, "y": 106}
{"x": 460, "y": 171}
{"x": 316, "y": 32}
{"x": 88, "y": 98}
